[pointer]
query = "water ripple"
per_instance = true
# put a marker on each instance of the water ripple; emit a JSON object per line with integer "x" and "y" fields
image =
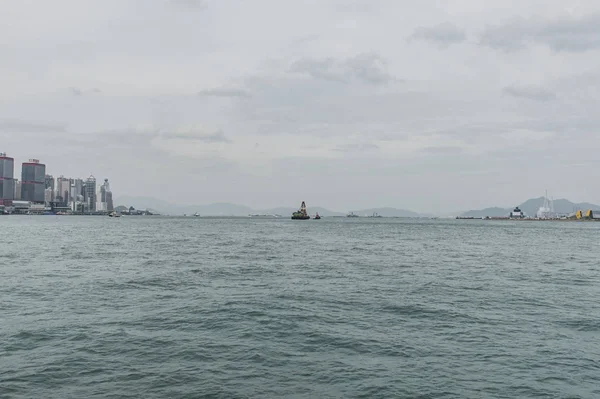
{"x": 245, "y": 308}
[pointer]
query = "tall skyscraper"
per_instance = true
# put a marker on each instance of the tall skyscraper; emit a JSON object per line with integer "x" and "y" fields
{"x": 17, "y": 190}
{"x": 105, "y": 203}
{"x": 7, "y": 181}
{"x": 63, "y": 189}
{"x": 49, "y": 185}
{"x": 48, "y": 196}
{"x": 33, "y": 179}
{"x": 76, "y": 194}
{"x": 110, "y": 206}
{"x": 89, "y": 194}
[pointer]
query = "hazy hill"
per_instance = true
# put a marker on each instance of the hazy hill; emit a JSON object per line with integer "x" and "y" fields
{"x": 218, "y": 209}
{"x": 312, "y": 210}
{"x": 144, "y": 203}
{"x": 166, "y": 208}
{"x": 494, "y": 211}
{"x": 388, "y": 212}
{"x": 531, "y": 206}
{"x": 228, "y": 209}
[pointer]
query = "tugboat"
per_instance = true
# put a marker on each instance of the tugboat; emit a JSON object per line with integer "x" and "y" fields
{"x": 301, "y": 213}
{"x": 317, "y": 217}
{"x": 517, "y": 214}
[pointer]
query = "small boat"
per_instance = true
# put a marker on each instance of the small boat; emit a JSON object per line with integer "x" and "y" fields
{"x": 317, "y": 217}
{"x": 196, "y": 215}
{"x": 114, "y": 215}
{"x": 352, "y": 215}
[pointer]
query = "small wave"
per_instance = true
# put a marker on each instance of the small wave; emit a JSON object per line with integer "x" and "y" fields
{"x": 10, "y": 255}
{"x": 583, "y": 325}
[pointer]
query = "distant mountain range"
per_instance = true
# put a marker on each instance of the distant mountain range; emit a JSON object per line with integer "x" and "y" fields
{"x": 227, "y": 209}
{"x": 390, "y": 212}
{"x": 531, "y": 206}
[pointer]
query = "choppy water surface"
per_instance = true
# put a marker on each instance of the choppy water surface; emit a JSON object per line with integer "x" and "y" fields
{"x": 234, "y": 308}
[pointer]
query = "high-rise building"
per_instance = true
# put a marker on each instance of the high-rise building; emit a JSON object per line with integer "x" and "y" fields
{"x": 49, "y": 185}
{"x": 103, "y": 190}
{"x": 105, "y": 203}
{"x": 110, "y": 206}
{"x": 76, "y": 194}
{"x": 48, "y": 196}
{"x": 89, "y": 194}
{"x": 17, "y": 190}
{"x": 33, "y": 179}
{"x": 63, "y": 189}
{"x": 7, "y": 181}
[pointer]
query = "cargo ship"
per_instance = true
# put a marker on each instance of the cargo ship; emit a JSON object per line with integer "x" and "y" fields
{"x": 301, "y": 213}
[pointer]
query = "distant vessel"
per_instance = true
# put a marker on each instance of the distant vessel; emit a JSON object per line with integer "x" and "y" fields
{"x": 196, "y": 214}
{"x": 114, "y": 215}
{"x": 352, "y": 215}
{"x": 517, "y": 214}
{"x": 317, "y": 217}
{"x": 301, "y": 213}
{"x": 375, "y": 215}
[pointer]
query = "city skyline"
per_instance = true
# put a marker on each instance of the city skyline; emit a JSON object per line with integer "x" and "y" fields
{"x": 430, "y": 106}
{"x": 38, "y": 188}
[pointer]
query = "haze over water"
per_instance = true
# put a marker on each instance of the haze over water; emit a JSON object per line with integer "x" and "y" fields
{"x": 184, "y": 307}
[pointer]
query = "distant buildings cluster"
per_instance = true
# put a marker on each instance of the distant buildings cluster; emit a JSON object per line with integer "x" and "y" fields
{"x": 38, "y": 192}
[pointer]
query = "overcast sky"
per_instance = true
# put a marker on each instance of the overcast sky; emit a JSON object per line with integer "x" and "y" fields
{"x": 429, "y": 105}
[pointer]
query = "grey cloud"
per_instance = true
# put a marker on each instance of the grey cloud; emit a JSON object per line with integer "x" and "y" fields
{"x": 327, "y": 69}
{"x": 357, "y": 147}
{"x": 198, "y": 135}
{"x": 18, "y": 126}
{"x": 442, "y": 150}
{"x": 365, "y": 67}
{"x": 224, "y": 92}
{"x": 568, "y": 34}
{"x": 80, "y": 92}
{"x": 530, "y": 92}
{"x": 443, "y": 35}
{"x": 370, "y": 68}
{"x": 335, "y": 89}
{"x": 360, "y": 7}
{"x": 124, "y": 139}
{"x": 200, "y": 4}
